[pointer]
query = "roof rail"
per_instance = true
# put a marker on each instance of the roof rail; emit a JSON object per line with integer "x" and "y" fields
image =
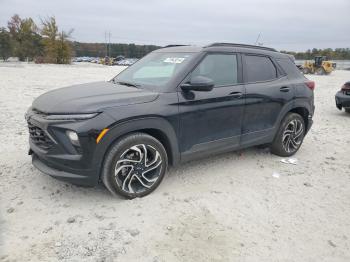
{"x": 242, "y": 45}
{"x": 173, "y": 46}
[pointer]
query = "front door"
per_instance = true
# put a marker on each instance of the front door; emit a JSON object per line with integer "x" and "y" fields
{"x": 211, "y": 121}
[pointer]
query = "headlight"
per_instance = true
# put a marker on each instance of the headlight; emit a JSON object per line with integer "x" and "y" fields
{"x": 71, "y": 117}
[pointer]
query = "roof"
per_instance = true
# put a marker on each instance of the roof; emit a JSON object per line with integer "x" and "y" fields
{"x": 226, "y": 47}
{"x": 242, "y": 45}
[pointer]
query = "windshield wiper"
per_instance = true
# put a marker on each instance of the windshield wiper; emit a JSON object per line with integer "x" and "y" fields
{"x": 126, "y": 83}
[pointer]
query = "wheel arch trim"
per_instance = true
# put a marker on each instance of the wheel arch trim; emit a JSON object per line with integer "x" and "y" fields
{"x": 295, "y": 106}
{"x": 150, "y": 125}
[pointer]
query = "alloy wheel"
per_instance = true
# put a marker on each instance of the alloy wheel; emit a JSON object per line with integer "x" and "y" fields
{"x": 293, "y": 135}
{"x": 138, "y": 169}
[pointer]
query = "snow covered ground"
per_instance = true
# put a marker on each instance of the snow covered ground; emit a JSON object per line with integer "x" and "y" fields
{"x": 239, "y": 206}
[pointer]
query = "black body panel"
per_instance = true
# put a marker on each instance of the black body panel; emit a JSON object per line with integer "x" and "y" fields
{"x": 90, "y": 98}
{"x": 190, "y": 124}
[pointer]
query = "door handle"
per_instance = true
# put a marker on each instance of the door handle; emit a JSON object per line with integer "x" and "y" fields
{"x": 236, "y": 94}
{"x": 285, "y": 89}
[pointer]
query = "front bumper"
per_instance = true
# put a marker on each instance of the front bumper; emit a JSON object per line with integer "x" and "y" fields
{"x": 79, "y": 177}
{"x": 342, "y": 100}
{"x": 60, "y": 158}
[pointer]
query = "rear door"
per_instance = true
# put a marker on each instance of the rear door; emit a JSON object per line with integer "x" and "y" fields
{"x": 268, "y": 91}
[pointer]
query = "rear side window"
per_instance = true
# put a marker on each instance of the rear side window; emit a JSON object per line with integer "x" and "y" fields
{"x": 221, "y": 68}
{"x": 290, "y": 68}
{"x": 259, "y": 68}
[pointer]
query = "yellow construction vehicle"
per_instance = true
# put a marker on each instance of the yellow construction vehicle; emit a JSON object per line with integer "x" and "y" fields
{"x": 320, "y": 66}
{"x": 106, "y": 61}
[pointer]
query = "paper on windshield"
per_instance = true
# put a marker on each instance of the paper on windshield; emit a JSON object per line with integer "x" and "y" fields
{"x": 174, "y": 60}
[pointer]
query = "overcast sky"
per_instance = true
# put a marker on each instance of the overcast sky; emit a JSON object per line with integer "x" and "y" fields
{"x": 285, "y": 25}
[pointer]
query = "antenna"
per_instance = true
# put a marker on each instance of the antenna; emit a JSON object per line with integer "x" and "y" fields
{"x": 256, "y": 42}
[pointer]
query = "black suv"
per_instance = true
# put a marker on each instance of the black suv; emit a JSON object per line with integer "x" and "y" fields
{"x": 176, "y": 104}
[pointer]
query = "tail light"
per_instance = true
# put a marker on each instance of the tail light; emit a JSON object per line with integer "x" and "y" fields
{"x": 346, "y": 87}
{"x": 310, "y": 84}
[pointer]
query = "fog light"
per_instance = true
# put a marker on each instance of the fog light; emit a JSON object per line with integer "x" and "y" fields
{"x": 73, "y": 137}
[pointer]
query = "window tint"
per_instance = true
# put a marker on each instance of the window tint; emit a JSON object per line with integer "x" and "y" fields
{"x": 290, "y": 68}
{"x": 221, "y": 68}
{"x": 259, "y": 68}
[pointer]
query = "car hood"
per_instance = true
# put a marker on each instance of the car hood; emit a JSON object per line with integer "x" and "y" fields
{"x": 91, "y": 98}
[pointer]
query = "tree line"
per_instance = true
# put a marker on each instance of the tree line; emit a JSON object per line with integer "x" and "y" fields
{"x": 24, "y": 39}
{"x": 334, "y": 54}
{"x": 138, "y": 51}
{"x": 112, "y": 50}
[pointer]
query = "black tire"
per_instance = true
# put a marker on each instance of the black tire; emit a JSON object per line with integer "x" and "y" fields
{"x": 306, "y": 71}
{"x": 320, "y": 71}
{"x": 125, "y": 159}
{"x": 347, "y": 110}
{"x": 288, "y": 142}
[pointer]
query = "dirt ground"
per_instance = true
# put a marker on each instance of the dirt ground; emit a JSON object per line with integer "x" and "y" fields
{"x": 239, "y": 206}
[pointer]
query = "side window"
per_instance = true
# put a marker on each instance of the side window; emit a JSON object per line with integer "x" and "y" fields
{"x": 221, "y": 68}
{"x": 259, "y": 68}
{"x": 290, "y": 68}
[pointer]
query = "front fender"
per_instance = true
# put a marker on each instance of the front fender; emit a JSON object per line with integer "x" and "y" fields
{"x": 122, "y": 128}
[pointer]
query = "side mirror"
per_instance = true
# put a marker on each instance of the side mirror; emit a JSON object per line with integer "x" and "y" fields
{"x": 199, "y": 83}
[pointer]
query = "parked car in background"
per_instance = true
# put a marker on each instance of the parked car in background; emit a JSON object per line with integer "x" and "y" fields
{"x": 95, "y": 60}
{"x": 12, "y": 59}
{"x": 176, "y": 104}
{"x": 83, "y": 59}
{"x": 342, "y": 98}
{"x": 117, "y": 59}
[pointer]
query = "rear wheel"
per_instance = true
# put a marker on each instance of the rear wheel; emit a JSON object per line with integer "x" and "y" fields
{"x": 134, "y": 166}
{"x": 347, "y": 110}
{"x": 289, "y": 136}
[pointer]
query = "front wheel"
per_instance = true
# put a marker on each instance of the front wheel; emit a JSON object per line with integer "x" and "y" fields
{"x": 134, "y": 166}
{"x": 320, "y": 71}
{"x": 290, "y": 136}
{"x": 306, "y": 71}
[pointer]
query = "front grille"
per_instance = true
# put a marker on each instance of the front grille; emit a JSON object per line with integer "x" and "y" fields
{"x": 39, "y": 137}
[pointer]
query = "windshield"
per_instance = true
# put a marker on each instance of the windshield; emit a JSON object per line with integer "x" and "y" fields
{"x": 155, "y": 69}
